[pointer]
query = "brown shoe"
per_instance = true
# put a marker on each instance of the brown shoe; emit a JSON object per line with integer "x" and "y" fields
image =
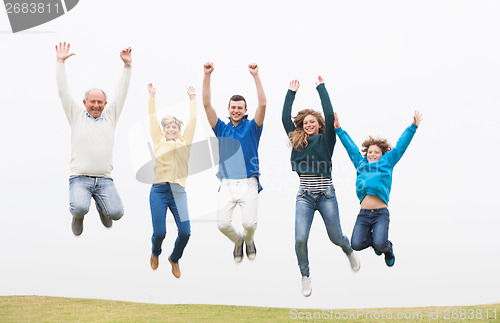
{"x": 175, "y": 268}
{"x": 154, "y": 261}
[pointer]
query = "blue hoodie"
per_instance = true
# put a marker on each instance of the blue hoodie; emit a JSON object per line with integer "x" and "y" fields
{"x": 375, "y": 178}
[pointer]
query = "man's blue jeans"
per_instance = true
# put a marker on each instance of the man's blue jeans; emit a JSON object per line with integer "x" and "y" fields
{"x": 372, "y": 230}
{"x": 305, "y": 206}
{"x": 101, "y": 189}
{"x": 162, "y": 197}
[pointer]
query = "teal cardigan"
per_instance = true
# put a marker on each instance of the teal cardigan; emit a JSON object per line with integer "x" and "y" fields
{"x": 316, "y": 157}
{"x": 375, "y": 178}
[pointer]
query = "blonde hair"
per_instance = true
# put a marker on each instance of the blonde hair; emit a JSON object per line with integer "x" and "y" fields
{"x": 298, "y": 138}
{"x": 166, "y": 120}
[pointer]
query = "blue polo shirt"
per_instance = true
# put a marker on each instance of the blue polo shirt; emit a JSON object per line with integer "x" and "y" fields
{"x": 238, "y": 149}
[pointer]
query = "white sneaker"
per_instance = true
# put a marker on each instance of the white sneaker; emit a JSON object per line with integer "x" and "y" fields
{"x": 353, "y": 260}
{"x": 306, "y": 286}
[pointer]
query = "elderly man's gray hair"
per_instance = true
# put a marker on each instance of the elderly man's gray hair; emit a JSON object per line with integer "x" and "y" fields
{"x": 86, "y": 95}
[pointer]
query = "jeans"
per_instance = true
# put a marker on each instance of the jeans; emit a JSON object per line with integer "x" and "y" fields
{"x": 372, "y": 230}
{"x": 101, "y": 189}
{"x": 243, "y": 192}
{"x": 306, "y": 204}
{"x": 162, "y": 197}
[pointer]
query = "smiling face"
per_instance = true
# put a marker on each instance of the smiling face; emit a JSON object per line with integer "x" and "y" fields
{"x": 95, "y": 102}
{"x": 237, "y": 110}
{"x": 171, "y": 131}
{"x": 374, "y": 153}
{"x": 310, "y": 125}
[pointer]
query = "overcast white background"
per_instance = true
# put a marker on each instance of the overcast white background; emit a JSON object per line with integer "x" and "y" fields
{"x": 380, "y": 61}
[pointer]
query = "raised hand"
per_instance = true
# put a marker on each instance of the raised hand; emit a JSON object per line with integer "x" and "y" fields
{"x": 126, "y": 55}
{"x": 62, "y": 52}
{"x": 253, "y": 68}
{"x": 417, "y": 118}
{"x": 208, "y": 68}
{"x": 320, "y": 80}
{"x": 152, "y": 90}
{"x": 191, "y": 91}
{"x": 294, "y": 85}
{"x": 336, "y": 122}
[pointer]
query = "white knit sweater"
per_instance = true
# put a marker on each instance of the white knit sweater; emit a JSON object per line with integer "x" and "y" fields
{"x": 91, "y": 141}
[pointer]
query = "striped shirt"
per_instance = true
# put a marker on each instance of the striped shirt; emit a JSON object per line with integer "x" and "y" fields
{"x": 313, "y": 183}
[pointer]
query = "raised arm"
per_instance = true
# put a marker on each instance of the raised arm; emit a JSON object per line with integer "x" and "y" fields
{"x": 154, "y": 125}
{"x": 327, "y": 107}
{"x": 69, "y": 105}
{"x": 404, "y": 141}
{"x": 62, "y": 52}
{"x": 118, "y": 102}
{"x": 286, "y": 115}
{"x": 260, "y": 113}
{"x": 191, "y": 124}
{"x": 349, "y": 145}
{"x": 208, "y": 68}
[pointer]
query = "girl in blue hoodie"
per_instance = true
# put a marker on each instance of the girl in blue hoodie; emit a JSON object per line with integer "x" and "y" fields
{"x": 373, "y": 185}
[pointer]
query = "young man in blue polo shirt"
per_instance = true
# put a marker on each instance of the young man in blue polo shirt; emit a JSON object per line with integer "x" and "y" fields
{"x": 238, "y": 162}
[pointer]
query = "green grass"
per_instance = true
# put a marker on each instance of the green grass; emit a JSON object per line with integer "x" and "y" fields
{"x": 60, "y": 309}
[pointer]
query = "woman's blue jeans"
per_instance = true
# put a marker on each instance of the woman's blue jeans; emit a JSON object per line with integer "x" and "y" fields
{"x": 305, "y": 206}
{"x": 162, "y": 197}
{"x": 372, "y": 230}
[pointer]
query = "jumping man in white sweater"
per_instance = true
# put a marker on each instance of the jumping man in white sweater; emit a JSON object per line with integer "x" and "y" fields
{"x": 92, "y": 139}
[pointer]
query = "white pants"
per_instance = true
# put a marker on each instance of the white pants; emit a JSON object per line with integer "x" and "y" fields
{"x": 242, "y": 192}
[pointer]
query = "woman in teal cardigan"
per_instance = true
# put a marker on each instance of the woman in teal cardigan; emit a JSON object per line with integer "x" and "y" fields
{"x": 312, "y": 139}
{"x": 373, "y": 186}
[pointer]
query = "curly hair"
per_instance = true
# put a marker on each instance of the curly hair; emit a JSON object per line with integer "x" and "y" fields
{"x": 298, "y": 138}
{"x": 383, "y": 144}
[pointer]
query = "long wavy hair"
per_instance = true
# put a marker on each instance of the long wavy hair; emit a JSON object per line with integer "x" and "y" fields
{"x": 298, "y": 138}
{"x": 383, "y": 144}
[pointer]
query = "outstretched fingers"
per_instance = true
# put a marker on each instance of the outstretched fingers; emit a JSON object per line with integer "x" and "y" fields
{"x": 191, "y": 90}
{"x": 417, "y": 118}
{"x": 294, "y": 85}
{"x": 126, "y": 55}
{"x": 62, "y": 52}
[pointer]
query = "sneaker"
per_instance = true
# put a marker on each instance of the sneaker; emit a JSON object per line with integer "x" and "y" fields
{"x": 107, "y": 222}
{"x": 175, "y": 268}
{"x": 306, "y": 286}
{"x": 154, "y": 261}
{"x": 238, "y": 251}
{"x": 378, "y": 253}
{"x": 353, "y": 260}
{"x": 390, "y": 258}
{"x": 251, "y": 251}
{"x": 77, "y": 226}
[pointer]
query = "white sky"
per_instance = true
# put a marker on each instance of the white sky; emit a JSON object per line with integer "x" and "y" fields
{"x": 380, "y": 61}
